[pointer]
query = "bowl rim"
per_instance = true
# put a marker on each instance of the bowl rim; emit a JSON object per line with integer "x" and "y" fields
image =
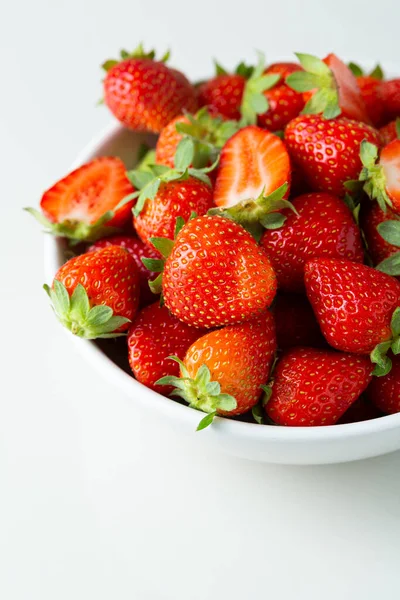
{"x": 169, "y": 407}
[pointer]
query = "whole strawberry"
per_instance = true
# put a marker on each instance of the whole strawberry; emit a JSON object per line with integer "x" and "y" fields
{"x": 295, "y": 322}
{"x": 390, "y": 132}
{"x": 315, "y": 387}
{"x": 223, "y": 371}
{"x": 371, "y": 92}
{"x": 138, "y": 250}
{"x": 390, "y": 91}
{"x": 371, "y": 217}
{"x": 154, "y": 335}
{"x": 357, "y": 308}
{"x": 223, "y": 95}
{"x": 85, "y": 205}
{"x": 322, "y": 226}
{"x": 284, "y": 104}
{"x": 143, "y": 93}
{"x": 216, "y": 274}
{"x": 384, "y": 392}
{"x": 96, "y": 295}
{"x": 327, "y": 151}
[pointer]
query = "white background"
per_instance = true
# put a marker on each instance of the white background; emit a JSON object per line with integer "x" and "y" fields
{"x": 98, "y": 500}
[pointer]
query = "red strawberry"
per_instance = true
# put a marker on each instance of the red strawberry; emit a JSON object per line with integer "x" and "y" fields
{"x": 356, "y": 306}
{"x": 330, "y": 88}
{"x": 82, "y": 205}
{"x": 283, "y": 69}
{"x": 328, "y": 151}
{"x": 223, "y": 371}
{"x": 138, "y": 250}
{"x": 154, "y": 335}
{"x": 253, "y": 162}
{"x": 144, "y": 94}
{"x": 284, "y": 103}
{"x": 390, "y": 132}
{"x": 295, "y": 322}
{"x": 371, "y": 93}
{"x": 168, "y": 141}
{"x": 390, "y": 91}
{"x": 216, "y": 274}
{"x": 223, "y": 95}
{"x": 323, "y": 227}
{"x": 371, "y": 216}
{"x": 96, "y": 295}
{"x": 382, "y": 175}
{"x": 384, "y": 392}
{"x": 316, "y": 387}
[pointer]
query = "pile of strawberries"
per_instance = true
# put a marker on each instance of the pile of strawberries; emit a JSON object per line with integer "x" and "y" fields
{"x": 251, "y": 260}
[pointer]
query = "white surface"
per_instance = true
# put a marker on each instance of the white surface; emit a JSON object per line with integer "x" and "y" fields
{"x": 95, "y": 505}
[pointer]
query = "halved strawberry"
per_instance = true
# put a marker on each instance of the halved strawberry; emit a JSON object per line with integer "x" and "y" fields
{"x": 330, "y": 88}
{"x": 382, "y": 175}
{"x": 83, "y": 206}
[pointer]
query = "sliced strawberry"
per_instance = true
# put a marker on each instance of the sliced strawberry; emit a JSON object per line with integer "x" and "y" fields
{"x": 351, "y": 100}
{"x": 83, "y": 205}
{"x": 253, "y": 161}
{"x": 390, "y": 162}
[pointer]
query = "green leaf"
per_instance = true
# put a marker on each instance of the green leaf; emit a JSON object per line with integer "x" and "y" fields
{"x": 258, "y": 414}
{"x": 99, "y": 315}
{"x": 180, "y": 222}
{"x": 184, "y": 371}
{"x": 200, "y": 175}
{"x": 382, "y": 370}
{"x": 147, "y": 193}
{"x": 39, "y": 216}
{"x": 267, "y": 389}
{"x": 355, "y": 69}
{"x": 80, "y": 305}
{"x": 390, "y": 231}
{"x": 391, "y": 265}
{"x": 184, "y": 154}
{"x": 213, "y": 388}
{"x": 273, "y": 220}
{"x": 109, "y": 64}
{"x": 395, "y": 322}
{"x": 154, "y": 264}
{"x": 263, "y": 83}
{"x": 206, "y": 421}
{"x": 377, "y": 72}
{"x": 226, "y": 402}
{"x": 203, "y": 376}
{"x": 163, "y": 245}
{"x": 301, "y": 81}
{"x": 168, "y": 380}
{"x": 312, "y": 64}
{"x": 47, "y": 290}
{"x": 396, "y": 346}
{"x": 397, "y": 126}
{"x": 110, "y": 326}
{"x": 258, "y": 103}
{"x": 368, "y": 154}
{"x": 380, "y": 358}
{"x": 219, "y": 70}
{"x": 60, "y": 297}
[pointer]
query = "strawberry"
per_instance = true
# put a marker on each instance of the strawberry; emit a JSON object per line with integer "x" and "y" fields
{"x": 356, "y": 307}
{"x": 371, "y": 217}
{"x": 315, "y": 387}
{"x": 284, "y": 103}
{"x": 253, "y": 162}
{"x": 208, "y": 133}
{"x": 223, "y": 371}
{"x": 144, "y": 94}
{"x": 167, "y": 194}
{"x": 223, "y": 95}
{"x": 295, "y": 322}
{"x": 327, "y": 151}
{"x": 382, "y": 174}
{"x": 390, "y": 132}
{"x": 215, "y": 273}
{"x": 371, "y": 92}
{"x": 361, "y": 410}
{"x": 322, "y": 226}
{"x": 390, "y": 91}
{"x": 330, "y": 88}
{"x": 384, "y": 392}
{"x": 152, "y": 337}
{"x": 83, "y": 206}
{"x": 96, "y": 295}
{"x": 138, "y": 250}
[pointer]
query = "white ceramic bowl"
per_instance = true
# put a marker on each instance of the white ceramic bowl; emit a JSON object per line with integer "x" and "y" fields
{"x": 300, "y": 445}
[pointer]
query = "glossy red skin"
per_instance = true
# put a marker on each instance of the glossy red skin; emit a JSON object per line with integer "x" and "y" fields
{"x": 388, "y": 133}
{"x": 327, "y": 152}
{"x": 223, "y": 95}
{"x": 325, "y": 228}
{"x": 88, "y": 192}
{"x": 371, "y": 215}
{"x": 217, "y": 274}
{"x": 154, "y": 335}
{"x": 295, "y": 322}
{"x": 138, "y": 250}
{"x": 173, "y": 199}
{"x": 284, "y": 103}
{"x": 145, "y": 95}
{"x": 390, "y": 91}
{"x": 239, "y": 358}
{"x": 371, "y": 93}
{"x": 361, "y": 410}
{"x": 110, "y": 277}
{"x": 389, "y": 159}
{"x": 168, "y": 141}
{"x": 351, "y": 100}
{"x": 316, "y": 387}
{"x": 283, "y": 69}
{"x": 353, "y": 303}
{"x": 384, "y": 392}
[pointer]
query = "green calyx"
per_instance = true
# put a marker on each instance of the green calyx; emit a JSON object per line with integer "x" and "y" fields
{"x": 254, "y": 102}
{"x": 354, "y": 205}
{"x": 138, "y": 52}
{"x": 242, "y": 69}
{"x": 260, "y": 213}
{"x": 147, "y": 181}
{"x": 199, "y": 392}
{"x": 209, "y": 134}
{"x": 390, "y": 232}
{"x": 373, "y": 176}
{"x": 75, "y": 313}
{"x": 376, "y": 73}
{"x": 316, "y": 76}
{"x": 76, "y": 231}
{"x": 379, "y": 354}
{"x": 397, "y": 126}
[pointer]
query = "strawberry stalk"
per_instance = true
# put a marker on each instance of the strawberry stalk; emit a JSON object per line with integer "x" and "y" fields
{"x": 373, "y": 176}
{"x": 199, "y": 392}
{"x": 254, "y": 102}
{"x": 138, "y": 52}
{"x": 75, "y": 314}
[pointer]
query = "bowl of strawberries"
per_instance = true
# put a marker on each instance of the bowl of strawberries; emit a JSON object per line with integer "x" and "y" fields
{"x": 227, "y": 254}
